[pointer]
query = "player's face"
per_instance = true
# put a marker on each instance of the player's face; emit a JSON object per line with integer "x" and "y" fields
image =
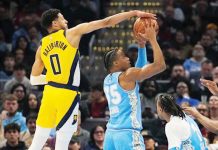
{"x": 61, "y": 22}
{"x": 122, "y": 60}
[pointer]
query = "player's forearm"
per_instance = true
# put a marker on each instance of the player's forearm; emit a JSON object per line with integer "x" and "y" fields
{"x": 159, "y": 62}
{"x": 211, "y": 125}
{"x": 115, "y": 19}
{"x": 142, "y": 57}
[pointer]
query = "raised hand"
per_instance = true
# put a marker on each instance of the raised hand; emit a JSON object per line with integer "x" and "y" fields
{"x": 191, "y": 111}
{"x": 141, "y": 39}
{"x": 211, "y": 85}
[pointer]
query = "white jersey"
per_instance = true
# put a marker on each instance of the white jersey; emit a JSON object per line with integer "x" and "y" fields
{"x": 184, "y": 134}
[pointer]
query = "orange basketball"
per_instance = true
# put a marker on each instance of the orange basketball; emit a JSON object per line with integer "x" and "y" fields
{"x": 140, "y": 24}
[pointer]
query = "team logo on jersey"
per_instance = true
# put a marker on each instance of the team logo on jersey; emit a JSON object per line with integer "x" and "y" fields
{"x": 74, "y": 119}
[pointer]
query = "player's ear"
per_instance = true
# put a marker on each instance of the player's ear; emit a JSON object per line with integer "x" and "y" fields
{"x": 54, "y": 23}
{"x": 115, "y": 62}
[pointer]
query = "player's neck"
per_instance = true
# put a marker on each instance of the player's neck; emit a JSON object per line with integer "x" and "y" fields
{"x": 52, "y": 30}
{"x": 168, "y": 117}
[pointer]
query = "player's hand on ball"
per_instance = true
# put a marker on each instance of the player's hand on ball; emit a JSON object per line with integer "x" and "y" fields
{"x": 140, "y": 39}
{"x": 145, "y": 14}
{"x": 150, "y": 31}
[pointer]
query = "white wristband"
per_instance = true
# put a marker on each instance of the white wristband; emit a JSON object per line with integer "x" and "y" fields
{"x": 38, "y": 80}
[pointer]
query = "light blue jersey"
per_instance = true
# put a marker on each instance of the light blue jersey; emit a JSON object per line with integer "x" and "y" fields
{"x": 124, "y": 125}
{"x": 124, "y": 106}
{"x": 184, "y": 134}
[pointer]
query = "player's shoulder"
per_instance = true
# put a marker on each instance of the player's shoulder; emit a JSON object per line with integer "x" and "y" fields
{"x": 176, "y": 123}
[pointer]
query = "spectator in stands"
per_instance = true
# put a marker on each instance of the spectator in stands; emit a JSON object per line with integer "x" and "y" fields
{"x": 19, "y": 91}
{"x": 19, "y": 77}
{"x": 193, "y": 64}
{"x": 164, "y": 33}
{"x": 12, "y": 134}
{"x": 170, "y": 19}
{"x": 74, "y": 145}
{"x": 181, "y": 44}
{"x": 13, "y": 116}
{"x": 177, "y": 74}
{"x": 81, "y": 135}
{"x": 210, "y": 47}
{"x": 31, "y": 105}
{"x": 183, "y": 96}
{"x": 23, "y": 43}
{"x": 198, "y": 90}
{"x": 213, "y": 107}
{"x": 212, "y": 29}
{"x": 27, "y": 136}
{"x": 35, "y": 38}
{"x": 149, "y": 140}
{"x": 8, "y": 67}
{"x": 26, "y": 22}
{"x": 96, "y": 138}
{"x": 203, "y": 109}
{"x": 148, "y": 90}
{"x": 19, "y": 56}
{"x": 97, "y": 104}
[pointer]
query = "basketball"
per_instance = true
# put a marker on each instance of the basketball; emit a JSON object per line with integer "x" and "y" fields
{"x": 140, "y": 24}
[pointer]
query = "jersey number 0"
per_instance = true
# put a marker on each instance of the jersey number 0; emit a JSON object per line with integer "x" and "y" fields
{"x": 55, "y": 64}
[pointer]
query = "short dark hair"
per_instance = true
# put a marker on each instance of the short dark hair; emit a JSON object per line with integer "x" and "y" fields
{"x": 19, "y": 67}
{"x": 32, "y": 116}
{"x": 10, "y": 97}
{"x": 109, "y": 58}
{"x": 168, "y": 104}
{"x": 48, "y": 16}
{"x": 11, "y": 126}
{"x": 16, "y": 86}
{"x": 206, "y": 62}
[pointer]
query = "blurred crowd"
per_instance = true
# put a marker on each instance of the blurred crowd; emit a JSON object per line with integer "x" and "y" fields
{"x": 188, "y": 36}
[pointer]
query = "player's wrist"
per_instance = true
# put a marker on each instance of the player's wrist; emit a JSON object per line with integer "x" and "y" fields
{"x": 197, "y": 115}
{"x": 153, "y": 40}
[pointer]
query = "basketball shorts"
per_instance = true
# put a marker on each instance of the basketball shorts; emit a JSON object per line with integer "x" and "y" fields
{"x": 123, "y": 140}
{"x": 59, "y": 108}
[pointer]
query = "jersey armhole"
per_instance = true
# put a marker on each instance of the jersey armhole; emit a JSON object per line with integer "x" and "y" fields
{"x": 64, "y": 33}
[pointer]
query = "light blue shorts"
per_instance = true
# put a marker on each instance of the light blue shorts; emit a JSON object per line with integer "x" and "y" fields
{"x": 123, "y": 140}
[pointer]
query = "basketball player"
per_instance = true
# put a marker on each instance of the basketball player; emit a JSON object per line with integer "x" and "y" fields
{"x": 122, "y": 91}
{"x": 182, "y": 132}
{"x": 59, "y": 54}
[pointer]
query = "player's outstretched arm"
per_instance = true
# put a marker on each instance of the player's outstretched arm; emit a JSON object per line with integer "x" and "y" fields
{"x": 137, "y": 74}
{"x": 142, "y": 52}
{"x": 107, "y": 22}
{"x": 36, "y": 77}
{"x": 211, "y": 125}
{"x": 211, "y": 85}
